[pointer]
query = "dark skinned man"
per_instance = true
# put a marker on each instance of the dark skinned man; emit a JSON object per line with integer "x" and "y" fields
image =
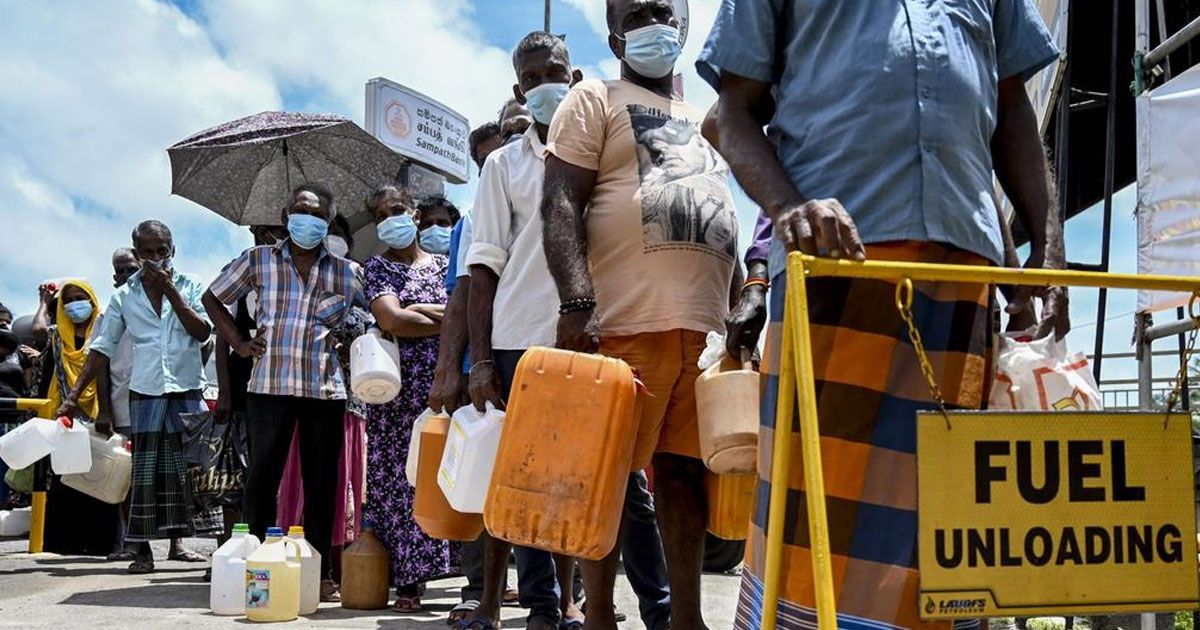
{"x": 159, "y": 310}
{"x": 303, "y": 293}
{"x": 647, "y": 272}
{"x": 886, "y": 121}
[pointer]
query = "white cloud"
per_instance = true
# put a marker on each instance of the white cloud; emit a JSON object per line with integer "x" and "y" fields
{"x": 94, "y": 93}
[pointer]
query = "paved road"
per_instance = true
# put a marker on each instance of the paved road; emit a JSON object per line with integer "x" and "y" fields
{"x": 50, "y": 591}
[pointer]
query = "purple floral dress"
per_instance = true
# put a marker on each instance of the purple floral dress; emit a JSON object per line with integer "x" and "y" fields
{"x": 415, "y": 557}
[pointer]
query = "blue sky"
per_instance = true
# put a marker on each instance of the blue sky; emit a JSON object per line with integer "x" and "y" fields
{"x": 96, "y": 91}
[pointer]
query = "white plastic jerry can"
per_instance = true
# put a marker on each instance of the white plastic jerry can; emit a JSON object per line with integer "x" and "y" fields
{"x": 112, "y": 465}
{"x": 310, "y": 572}
{"x": 29, "y": 442}
{"x": 272, "y": 586}
{"x": 227, "y": 588}
{"x": 72, "y": 452}
{"x": 470, "y": 455}
{"x": 374, "y": 368}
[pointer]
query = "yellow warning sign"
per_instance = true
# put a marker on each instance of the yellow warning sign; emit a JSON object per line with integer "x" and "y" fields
{"x": 1037, "y": 513}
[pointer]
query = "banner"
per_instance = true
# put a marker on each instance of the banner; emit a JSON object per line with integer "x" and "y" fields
{"x": 1055, "y": 513}
{"x": 419, "y": 127}
{"x": 1168, "y": 185}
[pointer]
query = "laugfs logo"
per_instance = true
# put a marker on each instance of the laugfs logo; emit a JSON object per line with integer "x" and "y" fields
{"x": 399, "y": 121}
{"x": 954, "y": 606}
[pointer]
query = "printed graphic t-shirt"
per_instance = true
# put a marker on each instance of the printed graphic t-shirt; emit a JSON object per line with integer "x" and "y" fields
{"x": 661, "y": 226}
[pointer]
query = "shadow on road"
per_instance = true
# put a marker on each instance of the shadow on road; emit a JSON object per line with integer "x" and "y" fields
{"x": 146, "y": 596}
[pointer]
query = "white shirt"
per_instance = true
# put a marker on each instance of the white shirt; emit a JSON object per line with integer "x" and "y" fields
{"x": 508, "y": 239}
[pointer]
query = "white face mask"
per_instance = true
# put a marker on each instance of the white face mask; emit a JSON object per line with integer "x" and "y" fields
{"x": 337, "y": 246}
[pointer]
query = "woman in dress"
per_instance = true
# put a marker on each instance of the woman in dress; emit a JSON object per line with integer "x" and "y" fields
{"x": 406, "y": 288}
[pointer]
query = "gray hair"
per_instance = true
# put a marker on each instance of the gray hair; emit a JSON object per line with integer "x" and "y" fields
{"x": 150, "y": 226}
{"x": 540, "y": 40}
{"x": 322, "y": 194}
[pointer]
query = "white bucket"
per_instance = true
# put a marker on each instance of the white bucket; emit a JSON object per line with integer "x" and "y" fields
{"x": 470, "y": 455}
{"x": 374, "y": 368}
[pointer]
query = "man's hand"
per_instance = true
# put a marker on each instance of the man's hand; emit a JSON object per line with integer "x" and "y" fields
{"x": 29, "y": 353}
{"x": 155, "y": 278}
{"x": 1056, "y": 311}
{"x": 484, "y": 387}
{"x": 579, "y": 332}
{"x": 67, "y": 408}
{"x": 224, "y": 406}
{"x": 448, "y": 389}
{"x": 46, "y": 292}
{"x": 252, "y": 348}
{"x": 821, "y": 227}
{"x": 104, "y": 423}
{"x": 745, "y": 322}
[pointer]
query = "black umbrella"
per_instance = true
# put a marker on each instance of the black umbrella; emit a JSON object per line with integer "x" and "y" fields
{"x": 244, "y": 170}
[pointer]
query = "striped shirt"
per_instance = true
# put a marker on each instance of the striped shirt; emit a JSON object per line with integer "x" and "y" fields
{"x": 297, "y": 318}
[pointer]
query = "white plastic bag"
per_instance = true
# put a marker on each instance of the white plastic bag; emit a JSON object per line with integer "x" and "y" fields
{"x": 1041, "y": 375}
{"x": 414, "y": 446}
{"x": 714, "y": 351}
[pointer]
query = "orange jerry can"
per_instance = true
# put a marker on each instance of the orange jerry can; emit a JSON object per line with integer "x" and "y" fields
{"x": 565, "y": 454}
{"x": 730, "y": 504}
{"x": 431, "y": 511}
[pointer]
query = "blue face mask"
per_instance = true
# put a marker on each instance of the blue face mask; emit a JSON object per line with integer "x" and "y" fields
{"x": 397, "y": 232}
{"x": 78, "y": 311}
{"x": 651, "y": 51}
{"x": 544, "y": 99}
{"x": 307, "y": 231}
{"x": 436, "y": 239}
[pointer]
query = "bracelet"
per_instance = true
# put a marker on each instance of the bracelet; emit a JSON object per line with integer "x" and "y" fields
{"x": 756, "y": 281}
{"x": 483, "y": 362}
{"x": 578, "y": 305}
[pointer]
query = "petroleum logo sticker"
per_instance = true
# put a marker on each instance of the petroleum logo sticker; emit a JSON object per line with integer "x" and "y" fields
{"x": 1033, "y": 513}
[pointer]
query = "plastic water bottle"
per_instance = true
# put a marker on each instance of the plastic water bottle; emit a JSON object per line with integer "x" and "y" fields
{"x": 310, "y": 572}
{"x": 227, "y": 589}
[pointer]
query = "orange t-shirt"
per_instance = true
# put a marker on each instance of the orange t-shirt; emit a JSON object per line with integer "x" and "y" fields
{"x": 661, "y": 225}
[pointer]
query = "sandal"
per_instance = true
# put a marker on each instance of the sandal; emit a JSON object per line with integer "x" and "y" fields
{"x": 571, "y": 624}
{"x": 460, "y": 612}
{"x": 141, "y": 566}
{"x": 475, "y": 624}
{"x": 407, "y": 605}
{"x": 123, "y": 555}
{"x": 186, "y": 555}
{"x": 330, "y": 591}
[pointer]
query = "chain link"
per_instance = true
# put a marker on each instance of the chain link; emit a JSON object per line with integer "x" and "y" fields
{"x": 1177, "y": 390}
{"x": 904, "y": 299}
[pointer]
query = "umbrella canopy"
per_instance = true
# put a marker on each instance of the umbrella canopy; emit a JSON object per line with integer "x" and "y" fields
{"x": 244, "y": 170}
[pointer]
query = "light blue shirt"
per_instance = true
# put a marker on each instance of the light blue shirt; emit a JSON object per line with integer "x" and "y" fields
{"x": 886, "y": 105}
{"x": 166, "y": 359}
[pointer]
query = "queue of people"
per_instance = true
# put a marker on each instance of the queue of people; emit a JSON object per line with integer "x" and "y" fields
{"x": 604, "y": 222}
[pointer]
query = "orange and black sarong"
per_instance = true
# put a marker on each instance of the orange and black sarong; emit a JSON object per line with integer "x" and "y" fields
{"x": 869, "y": 388}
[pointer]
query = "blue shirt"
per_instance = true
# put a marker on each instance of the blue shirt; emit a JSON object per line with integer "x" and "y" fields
{"x": 460, "y": 242}
{"x": 166, "y": 358}
{"x": 888, "y": 107}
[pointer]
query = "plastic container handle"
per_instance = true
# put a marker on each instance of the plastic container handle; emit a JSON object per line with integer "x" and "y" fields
{"x": 747, "y": 363}
{"x": 292, "y": 542}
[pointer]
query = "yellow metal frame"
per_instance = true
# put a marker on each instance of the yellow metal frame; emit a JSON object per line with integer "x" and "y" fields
{"x": 796, "y": 377}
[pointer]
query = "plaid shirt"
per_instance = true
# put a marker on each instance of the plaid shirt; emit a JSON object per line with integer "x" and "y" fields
{"x": 298, "y": 319}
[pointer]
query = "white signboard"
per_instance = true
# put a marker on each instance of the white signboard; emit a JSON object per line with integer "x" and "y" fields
{"x": 419, "y": 127}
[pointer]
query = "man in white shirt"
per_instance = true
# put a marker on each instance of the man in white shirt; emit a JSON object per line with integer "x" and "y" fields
{"x": 120, "y": 367}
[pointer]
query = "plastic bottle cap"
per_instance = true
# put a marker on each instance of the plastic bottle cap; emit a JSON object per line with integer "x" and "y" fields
{"x": 241, "y": 528}
{"x": 275, "y": 531}
{"x": 66, "y": 422}
{"x": 296, "y": 531}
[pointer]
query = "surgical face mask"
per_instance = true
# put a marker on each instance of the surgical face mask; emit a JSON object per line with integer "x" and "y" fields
{"x": 307, "y": 231}
{"x": 397, "y": 232}
{"x": 79, "y": 311}
{"x": 436, "y": 239}
{"x": 164, "y": 264}
{"x": 337, "y": 246}
{"x": 544, "y": 99}
{"x": 651, "y": 51}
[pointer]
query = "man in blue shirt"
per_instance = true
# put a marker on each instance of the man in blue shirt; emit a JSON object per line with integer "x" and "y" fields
{"x": 885, "y": 124}
{"x": 161, "y": 310}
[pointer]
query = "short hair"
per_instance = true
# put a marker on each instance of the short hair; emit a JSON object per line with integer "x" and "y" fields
{"x": 512, "y": 100}
{"x": 120, "y": 251}
{"x": 440, "y": 201}
{"x": 610, "y": 15}
{"x": 478, "y": 136}
{"x": 385, "y": 191}
{"x": 321, "y": 192}
{"x": 5, "y": 309}
{"x": 540, "y": 40}
{"x": 150, "y": 226}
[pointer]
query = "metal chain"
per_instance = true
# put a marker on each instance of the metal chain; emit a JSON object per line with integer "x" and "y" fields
{"x": 1177, "y": 390}
{"x": 904, "y": 299}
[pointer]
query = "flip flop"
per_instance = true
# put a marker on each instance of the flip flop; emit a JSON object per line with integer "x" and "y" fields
{"x": 458, "y": 612}
{"x": 187, "y": 555}
{"x": 475, "y": 624}
{"x": 571, "y": 624}
{"x": 141, "y": 567}
{"x": 123, "y": 555}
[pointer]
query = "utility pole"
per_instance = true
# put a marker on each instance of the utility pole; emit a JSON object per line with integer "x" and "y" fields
{"x": 547, "y": 21}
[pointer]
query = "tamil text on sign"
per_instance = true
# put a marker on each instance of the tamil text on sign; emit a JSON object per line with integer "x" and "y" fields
{"x": 418, "y": 127}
